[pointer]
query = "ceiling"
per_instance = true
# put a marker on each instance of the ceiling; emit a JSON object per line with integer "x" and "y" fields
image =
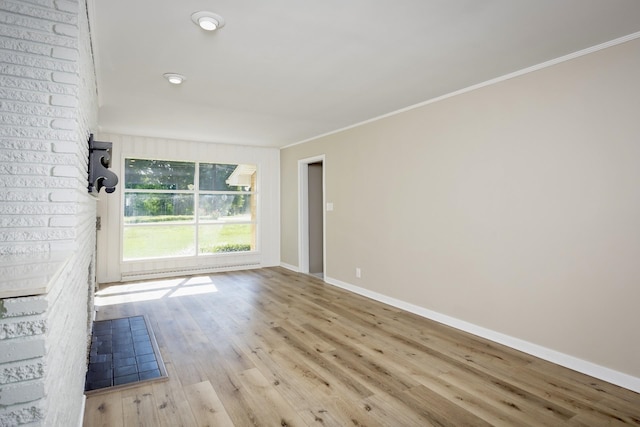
{"x": 284, "y": 71}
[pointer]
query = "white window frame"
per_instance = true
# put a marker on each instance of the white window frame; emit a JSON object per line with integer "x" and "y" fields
{"x": 196, "y": 217}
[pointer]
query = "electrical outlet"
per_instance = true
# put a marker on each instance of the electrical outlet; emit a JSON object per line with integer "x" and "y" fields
{"x": 358, "y": 272}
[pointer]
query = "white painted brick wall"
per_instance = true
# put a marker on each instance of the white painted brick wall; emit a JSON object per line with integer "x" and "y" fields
{"x": 48, "y": 106}
{"x": 23, "y": 370}
{"x": 22, "y": 359}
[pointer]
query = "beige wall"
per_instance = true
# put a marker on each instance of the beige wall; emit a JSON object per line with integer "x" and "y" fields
{"x": 515, "y": 207}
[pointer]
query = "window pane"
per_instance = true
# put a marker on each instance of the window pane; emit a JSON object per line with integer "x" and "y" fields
{"x": 158, "y": 174}
{"x": 157, "y": 207}
{"x": 222, "y": 177}
{"x": 217, "y": 238}
{"x": 225, "y": 207}
{"x": 158, "y": 242}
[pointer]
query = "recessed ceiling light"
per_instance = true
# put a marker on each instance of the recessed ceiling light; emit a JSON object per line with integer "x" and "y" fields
{"x": 208, "y": 21}
{"x": 174, "y": 78}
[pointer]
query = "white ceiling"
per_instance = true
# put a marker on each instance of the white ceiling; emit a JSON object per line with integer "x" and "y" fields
{"x": 283, "y": 71}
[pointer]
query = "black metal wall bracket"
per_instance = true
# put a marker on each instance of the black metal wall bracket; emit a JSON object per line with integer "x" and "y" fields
{"x": 99, "y": 163}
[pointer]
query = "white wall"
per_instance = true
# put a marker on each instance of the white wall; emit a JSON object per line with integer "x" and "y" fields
{"x": 110, "y": 266}
{"x": 48, "y": 106}
{"x": 512, "y": 209}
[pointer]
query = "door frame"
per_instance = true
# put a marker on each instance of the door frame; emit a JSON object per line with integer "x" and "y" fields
{"x": 303, "y": 214}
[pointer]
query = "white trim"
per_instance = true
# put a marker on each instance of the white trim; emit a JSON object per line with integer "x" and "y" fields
{"x": 82, "y": 409}
{"x": 187, "y": 271}
{"x": 290, "y": 267}
{"x": 92, "y": 24}
{"x": 324, "y": 218}
{"x": 303, "y": 213}
{"x": 303, "y": 217}
{"x": 494, "y": 81}
{"x": 606, "y": 374}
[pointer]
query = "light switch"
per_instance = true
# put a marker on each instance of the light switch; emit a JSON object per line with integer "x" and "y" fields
{"x": 329, "y": 207}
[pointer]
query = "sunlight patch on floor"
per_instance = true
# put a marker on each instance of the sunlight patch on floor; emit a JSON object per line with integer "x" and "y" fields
{"x": 142, "y": 286}
{"x": 194, "y": 290}
{"x": 155, "y": 290}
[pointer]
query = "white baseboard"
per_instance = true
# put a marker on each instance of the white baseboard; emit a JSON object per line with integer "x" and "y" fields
{"x": 289, "y": 267}
{"x": 82, "y": 409}
{"x": 597, "y": 371}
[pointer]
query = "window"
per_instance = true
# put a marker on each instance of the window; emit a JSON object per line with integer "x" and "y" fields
{"x": 177, "y": 209}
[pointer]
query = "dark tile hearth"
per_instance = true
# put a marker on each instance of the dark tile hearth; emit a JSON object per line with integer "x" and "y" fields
{"x": 123, "y": 352}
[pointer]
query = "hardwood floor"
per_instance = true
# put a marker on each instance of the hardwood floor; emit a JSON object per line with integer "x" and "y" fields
{"x": 270, "y": 347}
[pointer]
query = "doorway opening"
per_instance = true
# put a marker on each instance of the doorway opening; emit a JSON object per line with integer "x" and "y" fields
{"x": 311, "y": 221}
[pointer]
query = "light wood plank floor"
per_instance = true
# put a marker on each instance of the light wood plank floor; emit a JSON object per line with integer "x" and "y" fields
{"x": 274, "y": 348}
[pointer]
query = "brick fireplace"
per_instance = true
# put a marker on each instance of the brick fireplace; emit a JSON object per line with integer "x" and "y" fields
{"x": 48, "y": 105}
